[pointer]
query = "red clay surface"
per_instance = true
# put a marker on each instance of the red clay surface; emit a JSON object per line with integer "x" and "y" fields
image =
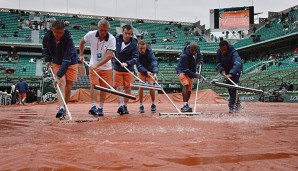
{"x": 239, "y": 19}
{"x": 263, "y": 136}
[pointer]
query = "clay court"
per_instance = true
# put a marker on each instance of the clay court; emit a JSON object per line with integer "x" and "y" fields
{"x": 263, "y": 136}
{"x": 232, "y": 19}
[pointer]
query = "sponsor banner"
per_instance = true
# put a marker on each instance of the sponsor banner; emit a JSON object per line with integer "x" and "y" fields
{"x": 174, "y": 86}
{"x": 49, "y": 94}
{"x": 170, "y": 86}
{"x": 291, "y": 98}
{"x": 30, "y": 84}
{"x": 249, "y": 98}
{"x": 245, "y": 98}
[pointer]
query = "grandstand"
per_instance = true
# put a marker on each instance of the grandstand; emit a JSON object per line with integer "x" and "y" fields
{"x": 268, "y": 53}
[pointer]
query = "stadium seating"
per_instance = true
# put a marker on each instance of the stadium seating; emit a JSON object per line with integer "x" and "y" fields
{"x": 158, "y": 34}
{"x": 276, "y": 28}
{"x": 82, "y": 82}
{"x": 79, "y": 26}
{"x": 159, "y": 29}
{"x": 24, "y": 62}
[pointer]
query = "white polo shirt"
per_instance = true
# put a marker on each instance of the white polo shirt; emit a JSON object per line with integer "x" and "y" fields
{"x": 97, "y": 46}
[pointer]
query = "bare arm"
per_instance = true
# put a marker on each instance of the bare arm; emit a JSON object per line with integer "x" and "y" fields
{"x": 108, "y": 57}
{"x": 82, "y": 47}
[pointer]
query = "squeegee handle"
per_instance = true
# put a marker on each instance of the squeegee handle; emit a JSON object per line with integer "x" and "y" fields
{"x": 128, "y": 70}
{"x": 230, "y": 80}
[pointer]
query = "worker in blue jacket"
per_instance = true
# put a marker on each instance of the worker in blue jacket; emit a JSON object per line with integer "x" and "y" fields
{"x": 22, "y": 88}
{"x": 127, "y": 54}
{"x": 187, "y": 71}
{"x": 147, "y": 67}
{"x": 229, "y": 64}
{"x": 61, "y": 54}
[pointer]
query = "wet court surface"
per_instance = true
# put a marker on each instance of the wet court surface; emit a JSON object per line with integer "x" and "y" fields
{"x": 263, "y": 136}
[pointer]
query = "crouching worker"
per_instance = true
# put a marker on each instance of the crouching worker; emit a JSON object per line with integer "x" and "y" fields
{"x": 186, "y": 71}
{"x": 229, "y": 64}
{"x": 61, "y": 54}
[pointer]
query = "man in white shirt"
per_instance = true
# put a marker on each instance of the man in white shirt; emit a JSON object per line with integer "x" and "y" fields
{"x": 102, "y": 46}
{"x": 13, "y": 93}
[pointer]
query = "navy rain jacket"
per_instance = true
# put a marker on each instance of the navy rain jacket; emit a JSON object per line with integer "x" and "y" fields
{"x": 128, "y": 55}
{"x": 187, "y": 63}
{"x": 230, "y": 63}
{"x": 147, "y": 62}
{"x": 22, "y": 86}
{"x": 63, "y": 53}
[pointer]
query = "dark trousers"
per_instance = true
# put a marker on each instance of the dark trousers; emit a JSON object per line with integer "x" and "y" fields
{"x": 13, "y": 98}
{"x": 233, "y": 93}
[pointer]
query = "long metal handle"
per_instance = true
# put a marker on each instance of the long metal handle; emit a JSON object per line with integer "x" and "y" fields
{"x": 61, "y": 95}
{"x": 236, "y": 85}
{"x": 99, "y": 76}
{"x": 231, "y": 80}
{"x": 178, "y": 110}
{"x": 194, "y": 111}
{"x": 128, "y": 70}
